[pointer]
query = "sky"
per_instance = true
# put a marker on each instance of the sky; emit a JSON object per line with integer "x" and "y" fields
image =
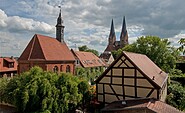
{"x": 87, "y": 22}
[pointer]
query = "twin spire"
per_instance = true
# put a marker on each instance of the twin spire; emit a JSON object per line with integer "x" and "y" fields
{"x": 123, "y": 36}
{"x": 113, "y": 44}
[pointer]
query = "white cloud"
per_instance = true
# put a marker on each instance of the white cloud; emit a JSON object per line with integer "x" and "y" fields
{"x": 88, "y": 22}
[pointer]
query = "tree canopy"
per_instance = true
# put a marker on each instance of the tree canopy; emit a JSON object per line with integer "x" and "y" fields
{"x": 182, "y": 43}
{"x": 157, "y": 49}
{"x": 86, "y": 49}
{"x": 41, "y": 91}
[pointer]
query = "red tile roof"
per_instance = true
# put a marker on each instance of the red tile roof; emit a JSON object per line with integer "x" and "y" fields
{"x": 88, "y": 59}
{"x": 5, "y": 68}
{"x": 46, "y": 48}
{"x": 148, "y": 67}
{"x": 140, "y": 103}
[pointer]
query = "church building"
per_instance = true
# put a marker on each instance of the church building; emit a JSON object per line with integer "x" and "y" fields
{"x": 113, "y": 44}
{"x": 51, "y": 54}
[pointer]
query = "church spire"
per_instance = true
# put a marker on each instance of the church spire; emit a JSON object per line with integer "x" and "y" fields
{"x": 60, "y": 29}
{"x": 112, "y": 36}
{"x": 124, "y": 34}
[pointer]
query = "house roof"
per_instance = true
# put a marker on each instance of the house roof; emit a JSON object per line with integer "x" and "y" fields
{"x": 141, "y": 103}
{"x": 46, "y": 48}
{"x": 88, "y": 59}
{"x": 4, "y": 68}
{"x": 145, "y": 65}
{"x": 148, "y": 67}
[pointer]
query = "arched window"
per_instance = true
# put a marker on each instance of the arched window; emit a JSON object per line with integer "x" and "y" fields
{"x": 55, "y": 69}
{"x": 68, "y": 70}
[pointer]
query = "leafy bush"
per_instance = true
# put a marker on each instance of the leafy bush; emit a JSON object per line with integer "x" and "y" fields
{"x": 44, "y": 92}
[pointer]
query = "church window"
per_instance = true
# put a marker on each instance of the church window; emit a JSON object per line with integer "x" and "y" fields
{"x": 55, "y": 69}
{"x": 68, "y": 69}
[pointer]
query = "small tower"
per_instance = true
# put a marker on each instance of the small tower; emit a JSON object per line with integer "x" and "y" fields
{"x": 60, "y": 29}
{"x": 112, "y": 36}
{"x": 123, "y": 35}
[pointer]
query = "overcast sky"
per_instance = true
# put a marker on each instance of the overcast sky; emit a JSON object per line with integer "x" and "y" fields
{"x": 87, "y": 22}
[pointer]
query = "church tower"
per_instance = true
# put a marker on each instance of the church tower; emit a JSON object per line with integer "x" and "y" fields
{"x": 60, "y": 29}
{"x": 112, "y": 39}
{"x": 123, "y": 35}
{"x": 112, "y": 36}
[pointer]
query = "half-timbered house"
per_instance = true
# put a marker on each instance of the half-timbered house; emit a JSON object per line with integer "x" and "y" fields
{"x": 132, "y": 75}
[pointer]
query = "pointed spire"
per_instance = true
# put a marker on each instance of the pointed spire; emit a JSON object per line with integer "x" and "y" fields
{"x": 112, "y": 32}
{"x": 124, "y": 30}
{"x": 124, "y": 34}
{"x": 112, "y": 36}
{"x": 59, "y": 20}
{"x": 60, "y": 29}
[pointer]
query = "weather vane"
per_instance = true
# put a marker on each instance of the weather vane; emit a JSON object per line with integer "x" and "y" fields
{"x": 61, "y": 3}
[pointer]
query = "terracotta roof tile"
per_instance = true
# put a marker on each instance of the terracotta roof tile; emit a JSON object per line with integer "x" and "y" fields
{"x": 141, "y": 103}
{"x": 46, "y": 48}
{"x": 88, "y": 59}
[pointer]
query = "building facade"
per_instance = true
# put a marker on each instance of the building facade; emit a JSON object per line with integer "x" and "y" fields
{"x": 8, "y": 67}
{"x": 51, "y": 54}
{"x": 131, "y": 76}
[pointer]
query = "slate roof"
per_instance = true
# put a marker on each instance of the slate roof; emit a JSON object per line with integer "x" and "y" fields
{"x": 150, "y": 70}
{"x": 46, "y": 48}
{"x": 4, "y": 68}
{"x": 88, "y": 59}
{"x": 140, "y": 103}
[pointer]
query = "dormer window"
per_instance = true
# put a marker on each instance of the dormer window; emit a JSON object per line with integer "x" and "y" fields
{"x": 11, "y": 65}
{"x": 77, "y": 62}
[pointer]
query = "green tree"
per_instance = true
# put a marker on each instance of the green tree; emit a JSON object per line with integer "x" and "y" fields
{"x": 86, "y": 49}
{"x": 3, "y": 85}
{"x": 182, "y": 43}
{"x": 176, "y": 96}
{"x": 157, "y": 49}
{"x": 89, "y": 74}
{"x": 46, "y": 92}
{"x": 83, "y": 48}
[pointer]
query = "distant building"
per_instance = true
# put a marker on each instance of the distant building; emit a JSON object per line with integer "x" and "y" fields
{"x": 8, "y": 66}
{"x": 131, "y": 76}
{"x": 87, "y": 60}
{"x": 51, "y": 54}
{"x": 112, "y": 43}
{"x": 140, "y": 105}
{"x": 107, "y": 57}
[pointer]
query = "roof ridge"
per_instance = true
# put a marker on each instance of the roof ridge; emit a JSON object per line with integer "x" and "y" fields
{"x": 32, "y": 46}
{"x": 41, "y": 46}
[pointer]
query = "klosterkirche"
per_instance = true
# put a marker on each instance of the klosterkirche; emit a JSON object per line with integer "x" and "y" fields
{"x": 112, "y": 43}
{"x": 51, "y": 54}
